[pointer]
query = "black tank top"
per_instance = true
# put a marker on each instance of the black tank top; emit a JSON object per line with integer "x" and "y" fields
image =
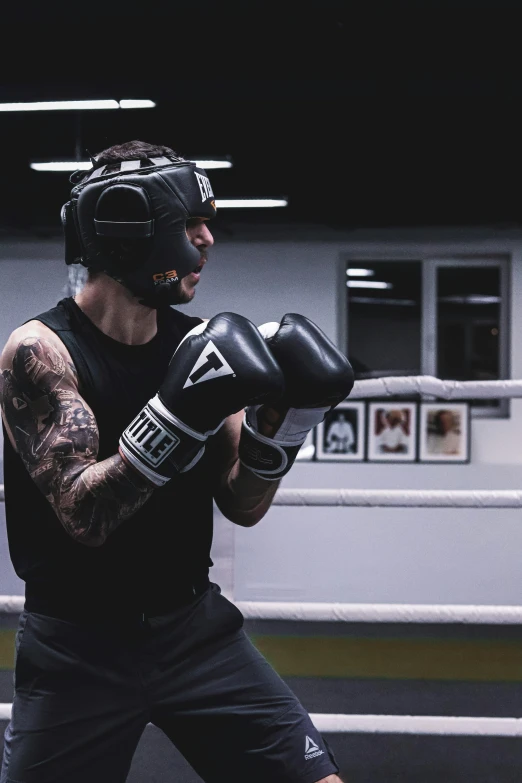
{"x": 157, "y": 558}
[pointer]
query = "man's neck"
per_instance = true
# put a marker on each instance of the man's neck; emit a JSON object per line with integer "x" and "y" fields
{"x": 116, "y": 312}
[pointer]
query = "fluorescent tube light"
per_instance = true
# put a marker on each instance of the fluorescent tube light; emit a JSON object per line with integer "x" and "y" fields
{"x": 131, "y": 103}
{"x": 367, "y": 284}
{"x": 214, "y": 164}
{"x": 475, "y": 299}
{"x": 58, "y": 105}
{"x": 76, "y": 165}
{"x": 61, "y": 165}
{"x": 76, "y": 105}
{"x": 371, "y": 300}
{"x": 223, "y": 203}
{"x": 352, "y": 272}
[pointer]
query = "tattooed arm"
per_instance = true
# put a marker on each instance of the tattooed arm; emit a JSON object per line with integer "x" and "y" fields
{"x": 55, "y": 433}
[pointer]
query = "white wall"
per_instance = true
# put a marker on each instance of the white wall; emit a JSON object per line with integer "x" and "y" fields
{"x": 342, "y": 554}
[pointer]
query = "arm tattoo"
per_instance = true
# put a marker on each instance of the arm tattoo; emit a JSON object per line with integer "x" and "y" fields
{"x": 57, "y": 438}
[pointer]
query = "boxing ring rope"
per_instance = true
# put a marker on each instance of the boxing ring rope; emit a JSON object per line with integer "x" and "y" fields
{"x": 438, "y": 614}
{"x": 395, "y": 498}
{"x": 418, "y": 724}
{"x": 440, "y": 725}
{"x": 400, "y": 498}
{"x": 427, "y": 385}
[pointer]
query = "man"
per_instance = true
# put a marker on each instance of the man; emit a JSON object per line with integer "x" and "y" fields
{"x": 124, "y": 419}
{"x": 393, "y": 438}
{"x": 341, "y": 437}
{"x": 444, "y": 435}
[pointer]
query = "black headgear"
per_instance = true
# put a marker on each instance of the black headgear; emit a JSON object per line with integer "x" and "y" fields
{"x": 147, "y": 201}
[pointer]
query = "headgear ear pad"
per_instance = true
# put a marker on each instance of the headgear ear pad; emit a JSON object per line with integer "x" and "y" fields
{"x": 143, "y": 209}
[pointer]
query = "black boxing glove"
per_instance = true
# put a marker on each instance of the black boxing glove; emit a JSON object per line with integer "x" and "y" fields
{"x": 219, "y": 367}
{"x": 317, "y": 378}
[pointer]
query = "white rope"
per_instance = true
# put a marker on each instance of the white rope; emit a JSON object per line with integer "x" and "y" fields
{"x": 396, "y": 498}
{"x": 400, "y": 724}
{"x": 403, "y": 498}
{"x": 419, "y": 724}
{"x": 353, "y": 613}
{"x": 427, "y": 385}
{"x": 11, "y": 604}
{"x": 382, "y": 613}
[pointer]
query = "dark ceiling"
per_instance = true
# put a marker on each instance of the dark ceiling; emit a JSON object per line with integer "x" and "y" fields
{"x": 363, "y": 114}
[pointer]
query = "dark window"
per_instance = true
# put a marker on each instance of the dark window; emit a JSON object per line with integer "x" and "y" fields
{"x": 384, "y": 317}
{"x": 469, "y": 325}
{"x": 431, "y": 317}
{"x": 468, "y": 319}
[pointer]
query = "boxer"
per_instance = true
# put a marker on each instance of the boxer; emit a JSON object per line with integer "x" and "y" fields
{"x": 124, "y": 421}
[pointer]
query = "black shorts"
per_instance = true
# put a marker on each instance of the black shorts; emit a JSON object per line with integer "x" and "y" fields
{"x": 84, "y": 694}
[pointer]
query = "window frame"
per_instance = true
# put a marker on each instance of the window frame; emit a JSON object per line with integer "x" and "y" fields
{"x": 429, "y": 268}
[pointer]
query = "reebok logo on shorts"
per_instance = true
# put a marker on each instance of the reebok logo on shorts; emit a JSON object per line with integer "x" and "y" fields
{"x": 311, "y": 749}
{"x": 211, "y": 364}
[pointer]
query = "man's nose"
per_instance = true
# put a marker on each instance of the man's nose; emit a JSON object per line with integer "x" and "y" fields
{"x": 204, "y": 237}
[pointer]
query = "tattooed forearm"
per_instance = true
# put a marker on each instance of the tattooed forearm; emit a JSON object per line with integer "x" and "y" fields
{"x": 57, "y": 438}
{"x": 95, "y": 501}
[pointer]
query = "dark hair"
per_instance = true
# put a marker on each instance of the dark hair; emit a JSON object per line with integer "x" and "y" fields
{"x": 437, "y": 421}
{"x": 133, "y": 150}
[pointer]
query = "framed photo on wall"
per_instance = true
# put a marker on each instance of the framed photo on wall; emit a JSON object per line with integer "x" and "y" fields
{"x": 392, "y": 431}
{"x": 444, "y": 432}
{"x": 340, "y": 437}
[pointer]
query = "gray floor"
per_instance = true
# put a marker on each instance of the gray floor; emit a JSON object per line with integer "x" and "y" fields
{"x": 367, "y": 759}
{"x": 375, "y": 758}
{"x": 364, "y": 759}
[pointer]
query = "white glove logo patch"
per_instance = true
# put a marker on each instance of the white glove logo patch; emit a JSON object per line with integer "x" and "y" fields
{"x": 204, "y": 186}
{"x": 211, "y": 364}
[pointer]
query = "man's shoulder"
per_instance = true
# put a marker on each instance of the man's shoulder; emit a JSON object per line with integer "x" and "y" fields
{"x": 33, "y": 330}
{"x": 182, "y": 321}
{"x": 179, "y": 315}
{"x": 32, "y": 335}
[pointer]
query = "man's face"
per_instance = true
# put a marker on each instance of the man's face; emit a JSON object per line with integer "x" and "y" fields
{"x": 446, "y": 421}
{"x": 202, "y": 239}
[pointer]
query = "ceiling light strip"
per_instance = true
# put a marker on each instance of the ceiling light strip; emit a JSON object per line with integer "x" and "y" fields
{"x": 240, "y": 203}
{"x": 136, "y": 104}
{"x": 354, "y": 272}
{"x": 85, "y": 165}
{"x": 368, "y": 284}
{"x": 77, "y": 105}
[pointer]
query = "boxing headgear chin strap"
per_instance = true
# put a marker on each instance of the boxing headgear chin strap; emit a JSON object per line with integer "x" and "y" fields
{"x": 130, "y": 223}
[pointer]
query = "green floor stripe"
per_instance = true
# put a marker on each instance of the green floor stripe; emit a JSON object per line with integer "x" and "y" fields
{"x": 7, "y": 641}
{"x": 430, "y": 659}
{"x": 481, "y": 660}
